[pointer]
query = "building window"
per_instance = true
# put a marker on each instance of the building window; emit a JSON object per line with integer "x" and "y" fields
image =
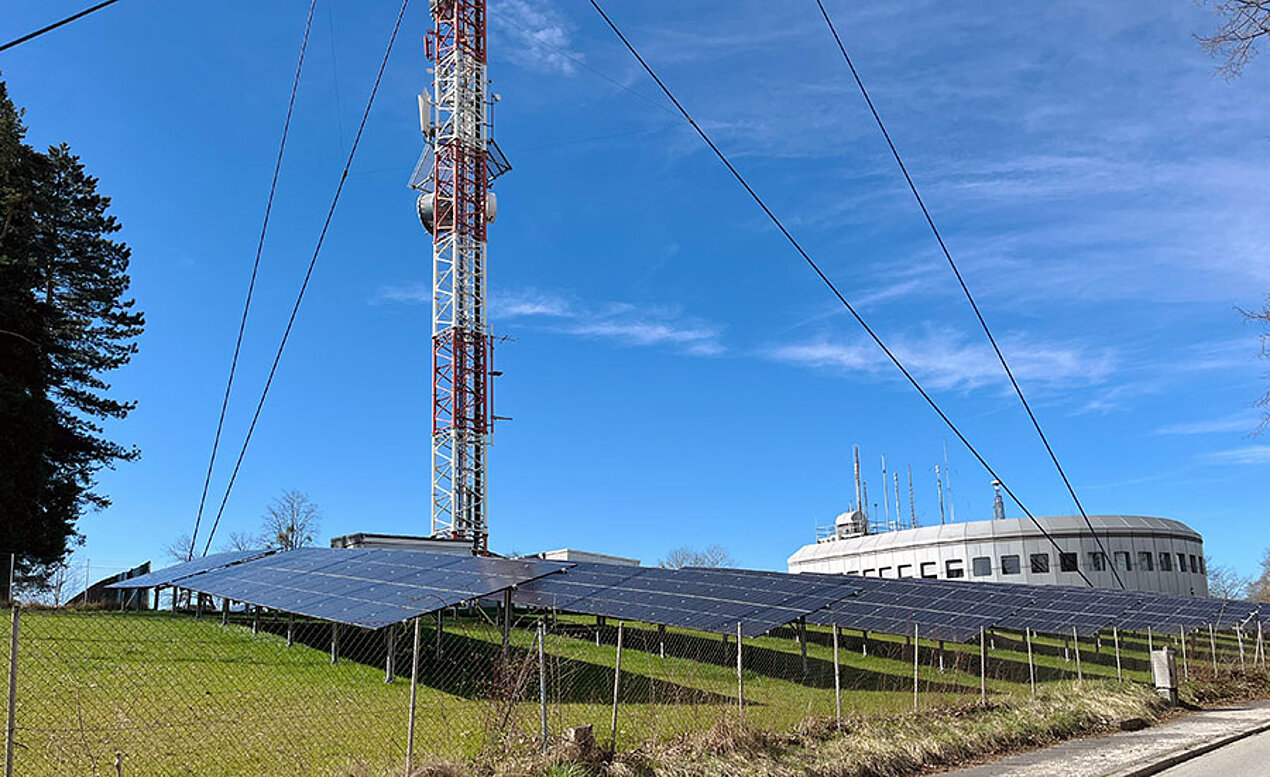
{"x": 1010, "y": 565}
{"x": 981, "y": 566}
{"x": 1194, "y": 565}
{"x": 1123, "y": 563}
{"x": 1181, "y": 562}
{"x": 854, "y": 572}
{"x": 1144, "y": 561}
{"x": 1067, "y": 562}
{"x": 906, "y": 570}
{"x": 1166, "y": 561}
{"x": 1098, "y": 561}
{"x": 1202, "y": 570}
{"x": 930, "y": 569}
{"x": 955, "y": 567}
{"x": 884, "y": 572}
{"x": 1040, "y": 563}
{"x": 870, "y": 572}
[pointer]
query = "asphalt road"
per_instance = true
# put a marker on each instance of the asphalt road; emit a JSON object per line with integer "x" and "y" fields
{"x": 1246, "y": 758}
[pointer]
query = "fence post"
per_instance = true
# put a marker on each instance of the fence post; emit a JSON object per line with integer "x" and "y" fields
{"x": 617, "y": 680}
{"x": 1115, "y": 633}
{"x": 414, "y": 689}
{"x": 802, "y": 641}
{"x": 864, "y": 642}
{"x": 290, "y": 628}
{"x": 1186, "y": 669}
{"x": 1150, "y": 644}
{"x": 1212, "y": 644}
{"x": 1031, "y": 667}
{"x": 837, "y": 679}
{"x": 983, "y": 666}
{"x": 335, "y": 643}
{"x": 542, "y": 679}
{"x": 1239, "y": 635}
{"x": 255, "y": 620}
{"x": 507, "y": 621}
{"x": 916, "y": 651}
{"x": 1261, "y": 645}
{"x": 436, "y": 645}
{"x": 740, "y": 678}
{"x": 1080, "y": 674}
{"x": 11, "y": 726}
{"x": 661, "y": 640}
{"x": 390, "y": 654}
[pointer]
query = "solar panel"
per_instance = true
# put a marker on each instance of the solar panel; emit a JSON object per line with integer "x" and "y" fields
{"x": 171, "y": 574}
{"x": 713, "y": 600}
{"x": 366, "y": 587}
{"x": 1059, "y": 609}
{"x": 941, "y": 609}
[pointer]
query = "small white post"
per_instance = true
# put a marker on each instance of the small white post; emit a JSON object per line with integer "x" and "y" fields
{"x": 1239, "y": 636}
{"x": 542, "y": 680}
{"x": 1212, "y": 644}
{"x": 255, "y": 620}
{"x": 661, "y": 641}
{"x": 1150, "y": 644}
{"x": 1261, "y": 645}
{"x": 335, "y": 643}
{"x": 1031, "y": 667}
{"x": 916, "y": 652}
{"x": 414, "y": 689}
{"x": 1115, "y": 633}
{"x": 290, "y": 626}
{"x": 1080, "y": 675}
{"x": 11, "y": 726}
{"x": 617, "y": 679}
{"x": 837, "y": 679}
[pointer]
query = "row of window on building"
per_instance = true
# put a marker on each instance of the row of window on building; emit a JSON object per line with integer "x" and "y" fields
{"x": 981, "y": 566}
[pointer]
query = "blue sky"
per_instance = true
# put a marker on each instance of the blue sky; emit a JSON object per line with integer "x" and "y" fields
{"x": 677, "y": 376}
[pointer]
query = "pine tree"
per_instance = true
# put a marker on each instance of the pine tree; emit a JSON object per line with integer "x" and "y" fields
{"x": 64, "y": 324}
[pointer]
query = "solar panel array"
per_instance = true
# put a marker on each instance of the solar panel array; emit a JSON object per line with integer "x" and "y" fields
{"x": 713, "y": 600}
{"x": 378, "y": 587}
{"x": 170, "y": 575}
{"x": 366, "y": 587}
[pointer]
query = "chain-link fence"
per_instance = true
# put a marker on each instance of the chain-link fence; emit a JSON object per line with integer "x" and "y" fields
{"x": 203, "y": 689}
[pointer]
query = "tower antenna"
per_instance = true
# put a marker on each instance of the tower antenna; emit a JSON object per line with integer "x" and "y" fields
{"x": 859, "y": 497}
{"x": 886, "y": 504}
{"x": 939, "y": 483}
{"x": 912, "y": 501}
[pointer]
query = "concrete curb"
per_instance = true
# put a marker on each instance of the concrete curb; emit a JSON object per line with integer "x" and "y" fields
{"x": 1157, "y": 765}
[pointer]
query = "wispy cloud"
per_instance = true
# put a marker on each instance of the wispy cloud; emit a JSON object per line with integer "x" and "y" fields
{"x": 1242, "y": 423}
{"x": 1248, "y": 454}
{"x": 948, "y": 360}
{"x": 538, "y": 35}
{"x": 623, "y": 323}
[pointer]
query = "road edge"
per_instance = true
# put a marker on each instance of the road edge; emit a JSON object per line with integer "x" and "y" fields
{"x": 1157, "y": 765}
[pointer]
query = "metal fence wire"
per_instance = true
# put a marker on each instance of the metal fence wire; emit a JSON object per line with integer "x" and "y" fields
{"x": 210, "y": 688}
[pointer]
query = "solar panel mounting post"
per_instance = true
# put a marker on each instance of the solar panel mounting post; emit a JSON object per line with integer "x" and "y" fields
{"x": 335, "y": 643}
{"x": 507, "y": 621}
{"x": 255, "y": 620}
{"x": 617, "y": 683}
{"x": 290, "y": 629}
{"x": 1150, "y": 642}
{"x": 224, "y": 612}
{"x": 390, "y": 653}
{"x": 436, "y": 642}
{"x": 802, "y": 641}
{"x": 661, "y": 640}
{"x": 1261, "y": 646}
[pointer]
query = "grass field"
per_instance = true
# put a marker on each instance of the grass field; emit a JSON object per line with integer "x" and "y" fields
{"x": 176, "y": 695}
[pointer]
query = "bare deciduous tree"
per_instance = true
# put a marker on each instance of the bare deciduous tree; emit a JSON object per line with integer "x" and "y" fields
{"x": 713, "y": 556}
{"x": 1262, "y": 317}
{"x": 180, "y": 549}
{"x": 1226, "y": 582}
{"x": 1244, "y": 24}
{"x": 1260, "y": 588}
{"x": 241, "y": 540}
{"x": 290, "y": 521}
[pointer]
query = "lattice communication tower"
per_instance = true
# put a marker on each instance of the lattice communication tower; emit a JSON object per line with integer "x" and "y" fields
{"x": 456, "y": 205}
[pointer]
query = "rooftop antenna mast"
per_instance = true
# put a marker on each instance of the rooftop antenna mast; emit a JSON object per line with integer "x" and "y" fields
{"x": 952, "y": 508}
{"x": 859, "y": 496}
{"x": 455, "y": 205}
{"x": 912, "y": 500}
{"x": 939, "y": 483}
{"x": 886, "y": 504}
{"x": 998, "y": 505}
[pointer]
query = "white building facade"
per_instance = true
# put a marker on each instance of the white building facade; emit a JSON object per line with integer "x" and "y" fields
{"x": 1148, "y": 554}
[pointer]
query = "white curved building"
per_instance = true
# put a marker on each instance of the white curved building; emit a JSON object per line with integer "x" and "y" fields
{"x": 1150, "y": 554}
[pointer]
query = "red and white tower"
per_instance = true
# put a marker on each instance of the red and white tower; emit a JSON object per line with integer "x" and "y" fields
{"x": 456, "y": 205}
